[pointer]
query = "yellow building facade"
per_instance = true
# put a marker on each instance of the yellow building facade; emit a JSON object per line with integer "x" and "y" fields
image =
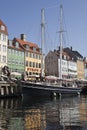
{"x": 80, "y": 69}
{"x": 33, "y": 63}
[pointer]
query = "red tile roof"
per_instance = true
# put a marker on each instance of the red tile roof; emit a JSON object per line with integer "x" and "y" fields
{"x": 13, "y": 47}
{"x": 3, "y": 31}
{"x": 22, "y": 42}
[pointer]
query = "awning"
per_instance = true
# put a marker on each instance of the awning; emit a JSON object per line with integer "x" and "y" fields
{"x": 51, "y": 77}
{"x": 15, "y": 73}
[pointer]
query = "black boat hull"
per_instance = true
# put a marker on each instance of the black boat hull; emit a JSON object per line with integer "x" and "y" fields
{"x": 33, "y": 89}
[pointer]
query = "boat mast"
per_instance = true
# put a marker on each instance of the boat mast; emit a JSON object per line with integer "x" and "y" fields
{"x": 61, "y": 38}
{"x": 42, "y": 42}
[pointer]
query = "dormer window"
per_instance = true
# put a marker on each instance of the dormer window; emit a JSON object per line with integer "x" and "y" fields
{"x": 17, "y": 44}
{"x": 27, "y": 47}
{"x": 10, "y": 42}
{"x": 64, "y": 57}
{"x": 2, "y": 27}
{"x": 34, "y": 49}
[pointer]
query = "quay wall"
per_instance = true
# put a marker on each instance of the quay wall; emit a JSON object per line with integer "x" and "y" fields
{"x": 8, "y": 89}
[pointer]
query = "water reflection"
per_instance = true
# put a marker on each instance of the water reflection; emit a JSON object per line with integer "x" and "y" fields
{"x": 44, "y": 114}
{"x": 10, "y": 117}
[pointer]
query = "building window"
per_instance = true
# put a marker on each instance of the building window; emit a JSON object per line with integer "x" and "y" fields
{"x": 64, "y": 57}
{"x": 33, "y": 64}
{"x": 17, "y": 44}
{"x": 30, "y": 54}
{"x": 34, "y": 49}
{"x": 27, "y": 47}
{"x": 10, "y": 43}
{"x": 39, "y": 65}
{"x": 26, "y": 63}
{"x": 4, "y": 59}
{"x": 3, "y": 37}
{"x": 36, "y": 56}
{"x": 4, "y": 48}
{"x": 33, "y": 55}
{"x": 16, "y": 52}
{"x": 30, "y": 64}
{"x": 36, "y": 65}
{"x": 2, "y": 27}
{"x": 30, "y": 73}
{"x": 26, "y": 54}
{"x": 39, "y": 57}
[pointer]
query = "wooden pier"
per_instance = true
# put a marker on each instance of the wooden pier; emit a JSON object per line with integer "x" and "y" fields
{"x": 9, "y": 89}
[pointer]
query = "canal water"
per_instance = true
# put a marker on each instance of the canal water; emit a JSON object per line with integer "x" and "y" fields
{"x": 65, "y": 113}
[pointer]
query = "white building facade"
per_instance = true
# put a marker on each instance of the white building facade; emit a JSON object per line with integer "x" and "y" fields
{"x": 69, "y": 69}
{"x": 72, "y": 69}
{"x": 64, "y": 68}
{"x": 3, "y": 44}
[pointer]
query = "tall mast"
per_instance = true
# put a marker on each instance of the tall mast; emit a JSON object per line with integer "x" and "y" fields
{"x": 61, "y": 38}
{"x": 42, "y": 41}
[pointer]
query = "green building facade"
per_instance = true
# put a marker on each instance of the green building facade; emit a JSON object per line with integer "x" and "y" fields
{"x": 16, "y": 57}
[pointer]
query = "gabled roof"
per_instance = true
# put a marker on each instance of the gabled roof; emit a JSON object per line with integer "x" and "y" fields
{"x": 57, "y": 52}
{"x": 3, "y": 31}
{"x": 78, "y": 54}
{"x": 22, "y": 42}
{"x": 75, "y": 54}
{"x": 51, "y": 53}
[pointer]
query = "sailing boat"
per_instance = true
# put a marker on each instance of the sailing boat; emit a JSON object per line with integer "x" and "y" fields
{"x": 43, "y": 88}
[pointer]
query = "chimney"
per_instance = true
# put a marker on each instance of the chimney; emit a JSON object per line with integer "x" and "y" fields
{"x": 59, "y": 48}
{"x": 23, "y": 37}
{"x": 71, "y": 48}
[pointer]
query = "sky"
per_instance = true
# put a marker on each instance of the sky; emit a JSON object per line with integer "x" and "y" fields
{"x": 24, "y": 17}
